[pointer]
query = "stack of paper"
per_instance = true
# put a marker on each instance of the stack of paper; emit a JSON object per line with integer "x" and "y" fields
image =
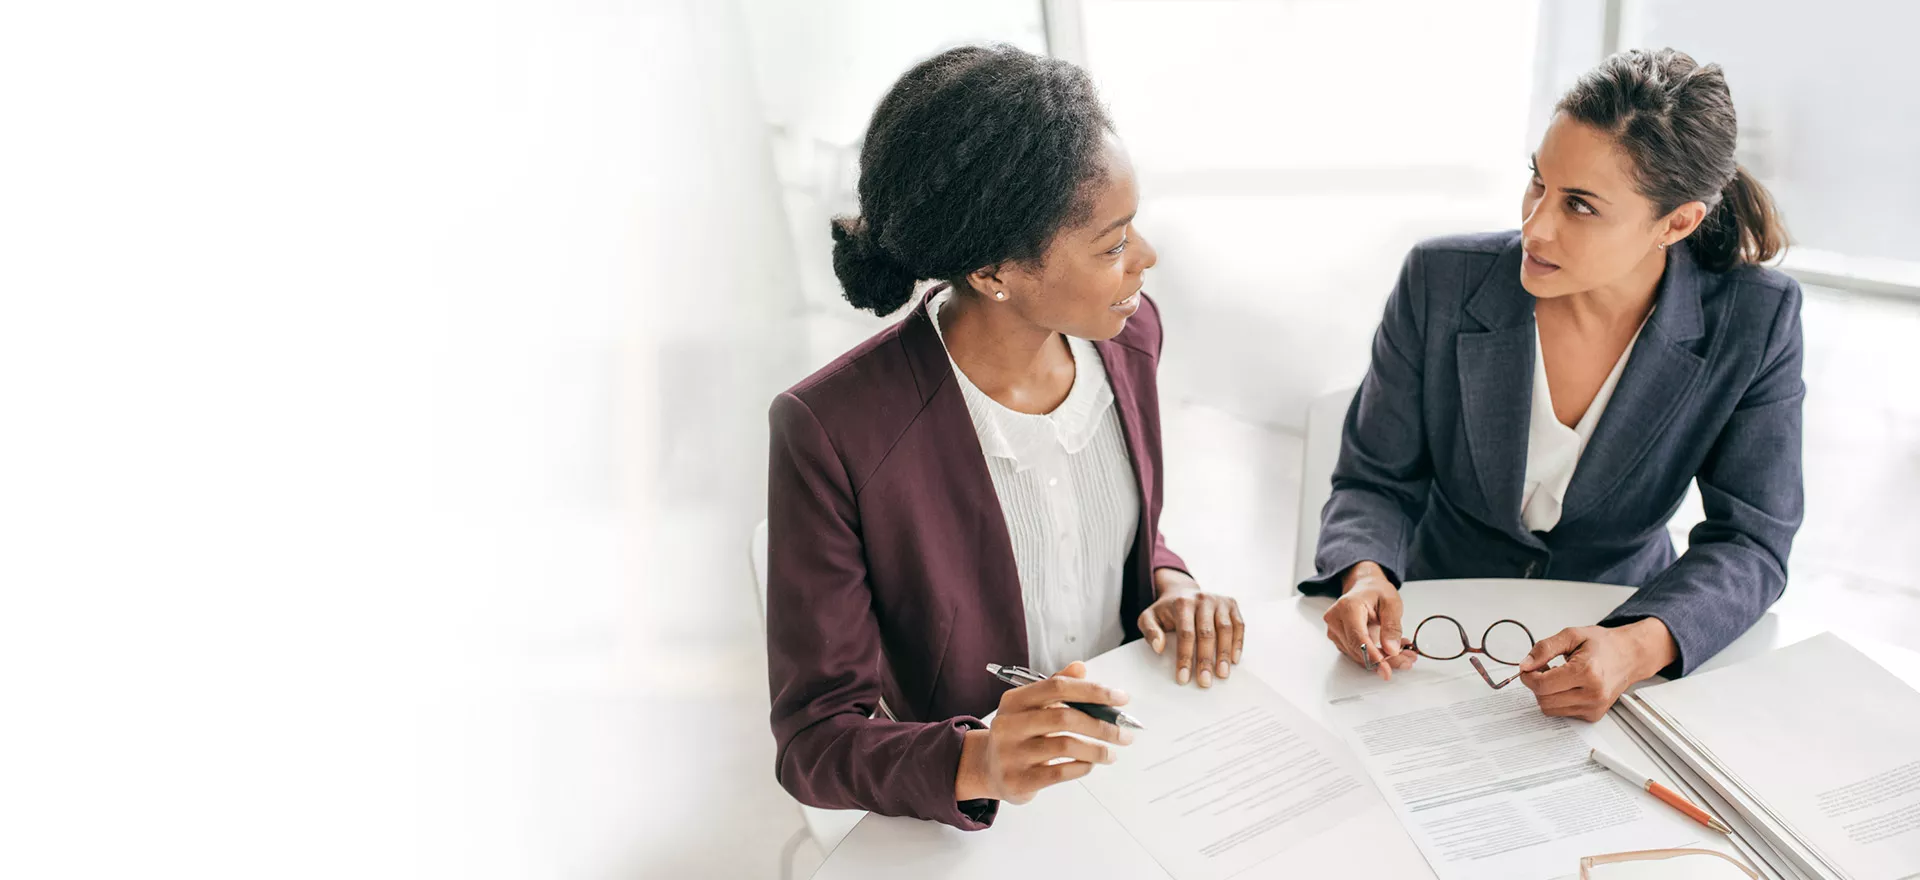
{"x": 1810, "y": 753}
{"x": 1490, "y": 789}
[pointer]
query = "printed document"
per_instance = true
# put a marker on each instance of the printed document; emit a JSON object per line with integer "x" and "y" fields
{"x": 1223, "y": 778}
{"x": 1852, "y": 729}
{"x": 1491, "y": 789}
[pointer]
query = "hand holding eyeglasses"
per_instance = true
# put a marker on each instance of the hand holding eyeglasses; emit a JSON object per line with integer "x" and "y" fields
{"x": 1602, "y": 662}
{"x": 1365, "y": 622}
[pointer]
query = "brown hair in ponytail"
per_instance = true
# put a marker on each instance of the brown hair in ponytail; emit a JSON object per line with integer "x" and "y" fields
{"x": 1744, "y": 225}
{"x": 1675, "y": 120}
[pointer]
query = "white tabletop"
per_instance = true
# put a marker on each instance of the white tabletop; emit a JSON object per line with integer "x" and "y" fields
{"x": 1288, "y": 648}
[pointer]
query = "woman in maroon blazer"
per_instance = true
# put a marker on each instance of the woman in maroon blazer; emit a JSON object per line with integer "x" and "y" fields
{"x": 981, "y": 482}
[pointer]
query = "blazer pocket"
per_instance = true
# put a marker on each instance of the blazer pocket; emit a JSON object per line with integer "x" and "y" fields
{"x": 939, "y": 643}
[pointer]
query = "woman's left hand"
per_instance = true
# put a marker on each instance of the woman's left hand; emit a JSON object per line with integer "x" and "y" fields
{"x": 1209, "y": 627}
{"x": 1602, "y": 662}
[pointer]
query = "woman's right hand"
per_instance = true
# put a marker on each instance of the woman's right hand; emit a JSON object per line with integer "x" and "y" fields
{"x": 1365, "y": 622}
{"x": 1010, "y": 760}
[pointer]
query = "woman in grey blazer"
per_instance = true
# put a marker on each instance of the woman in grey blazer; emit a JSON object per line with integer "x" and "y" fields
{"x": 1631, "y": 305}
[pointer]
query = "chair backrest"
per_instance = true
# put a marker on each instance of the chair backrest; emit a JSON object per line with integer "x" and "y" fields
{"x": 1325, "y": 415}
{"x": 1692, "y": 512}
{"x": 757, "y": 555}
{"x": 827, "y": 827}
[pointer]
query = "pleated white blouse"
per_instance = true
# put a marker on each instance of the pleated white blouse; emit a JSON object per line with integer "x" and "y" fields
{"x": 1066, "y": 487}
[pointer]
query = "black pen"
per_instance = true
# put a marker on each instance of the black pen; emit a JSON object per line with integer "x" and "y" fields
{"x": 1020, "y": 675}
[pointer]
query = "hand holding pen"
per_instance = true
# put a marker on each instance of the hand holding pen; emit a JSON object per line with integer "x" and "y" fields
{"x": 1022, "y": 752}
{"x": 1020, "y": 676}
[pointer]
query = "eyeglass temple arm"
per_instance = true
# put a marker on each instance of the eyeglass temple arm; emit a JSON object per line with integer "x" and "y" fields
{"x": 1648, "y": 855}
{"x": 1496, "y": 685}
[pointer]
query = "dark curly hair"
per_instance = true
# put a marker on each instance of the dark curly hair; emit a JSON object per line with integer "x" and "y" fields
{"x": 977, "y": 156}
{"x": 1674, "y": 118}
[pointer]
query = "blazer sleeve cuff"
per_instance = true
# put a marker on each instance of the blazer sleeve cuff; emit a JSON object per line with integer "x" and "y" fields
{"x": 1692, "y": 640}
{"x": 973, "y": 815}
{"x": 1328, "y": 583}
{"x": 1166, "y": 558}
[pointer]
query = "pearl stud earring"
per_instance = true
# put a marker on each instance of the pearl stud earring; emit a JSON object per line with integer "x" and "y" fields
{"x": 1001, "y": 294}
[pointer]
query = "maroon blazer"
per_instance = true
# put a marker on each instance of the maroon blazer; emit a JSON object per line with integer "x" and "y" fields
{"x": 890, "y": 572}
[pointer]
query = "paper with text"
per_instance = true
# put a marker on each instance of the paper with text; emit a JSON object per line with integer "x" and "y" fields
{"x": 1224, "y": 778}
{"x": 1491, "y": 789}
{"x": 1852, "y": 789}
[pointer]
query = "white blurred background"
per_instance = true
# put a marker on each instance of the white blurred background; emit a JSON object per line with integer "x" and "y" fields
{"x": 383, "y": 385}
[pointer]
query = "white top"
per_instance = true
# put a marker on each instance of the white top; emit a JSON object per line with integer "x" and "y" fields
{"x": 1553, "y": 449}
{"x": 1067, "y": 488}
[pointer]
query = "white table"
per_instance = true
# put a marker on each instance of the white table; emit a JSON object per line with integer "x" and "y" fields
{"x": 1288, "y": 648}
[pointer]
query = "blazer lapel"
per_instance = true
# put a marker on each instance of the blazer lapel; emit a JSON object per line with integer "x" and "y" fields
{"x": 1119, "y": 360}
{"x": 1496, "y": 389}
{"x": 1659, "y": 377}
{"x": 961, "y": 473}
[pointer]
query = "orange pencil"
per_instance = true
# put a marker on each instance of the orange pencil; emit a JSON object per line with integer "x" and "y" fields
{"x": 1662, "y": 792}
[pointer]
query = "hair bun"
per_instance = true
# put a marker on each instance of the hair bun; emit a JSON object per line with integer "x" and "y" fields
{"x": 870, "y": 278}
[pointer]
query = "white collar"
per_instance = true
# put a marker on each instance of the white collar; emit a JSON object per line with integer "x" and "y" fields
{"x": 1026, "y": 437}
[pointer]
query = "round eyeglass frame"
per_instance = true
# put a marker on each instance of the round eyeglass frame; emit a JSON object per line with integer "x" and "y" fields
{"x": 1466, "y": 647}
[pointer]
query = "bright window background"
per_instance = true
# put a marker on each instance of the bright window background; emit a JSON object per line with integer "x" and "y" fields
{"x": 821, "y": 68}
{"x": 1290, "y": 153}
{"x": 1829, "y": 112}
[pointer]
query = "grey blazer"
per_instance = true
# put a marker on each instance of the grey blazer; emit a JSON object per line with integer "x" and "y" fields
{"x": 1433, "y": 453}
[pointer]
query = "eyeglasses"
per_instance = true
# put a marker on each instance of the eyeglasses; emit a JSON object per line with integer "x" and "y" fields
{"x": 1695, "y": 863}
{"x": 1507, "y": 641}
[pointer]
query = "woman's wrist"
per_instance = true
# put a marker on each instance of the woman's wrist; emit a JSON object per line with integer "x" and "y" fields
{"x": 970, "y": 781}
{"x": 1654, "y": 646}
{"x": 1166, "y": 580}
{"x": 1359, "y": 571}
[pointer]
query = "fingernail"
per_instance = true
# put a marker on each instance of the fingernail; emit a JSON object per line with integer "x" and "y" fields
{"x": 1236, "y": 655}
{"x": 1206, "y": 678}
{"x": 1222, "y": 669}
{"x": 1183, "y": 675}
{"x": 1126, "y": 737}
{"x": 1119, "y": 697}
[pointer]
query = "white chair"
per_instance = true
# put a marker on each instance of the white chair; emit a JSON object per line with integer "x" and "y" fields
{"x": 826, "y": 827}
{"x": 1692, "y": 512}
{"x": 1325, "y": 415}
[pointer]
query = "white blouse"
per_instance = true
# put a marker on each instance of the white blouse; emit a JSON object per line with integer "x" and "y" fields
{"x": 1553, "y": 449}
{"x": 1067, "y": 489}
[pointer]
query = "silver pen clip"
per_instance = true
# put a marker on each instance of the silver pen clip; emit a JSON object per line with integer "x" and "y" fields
{"x": 1015, "y": 675}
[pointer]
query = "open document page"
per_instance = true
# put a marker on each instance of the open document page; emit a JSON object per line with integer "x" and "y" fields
{"x": 1819, "y": 736}
{"x": 1223, "y": 778}
{"x": 1490, "y": 789}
